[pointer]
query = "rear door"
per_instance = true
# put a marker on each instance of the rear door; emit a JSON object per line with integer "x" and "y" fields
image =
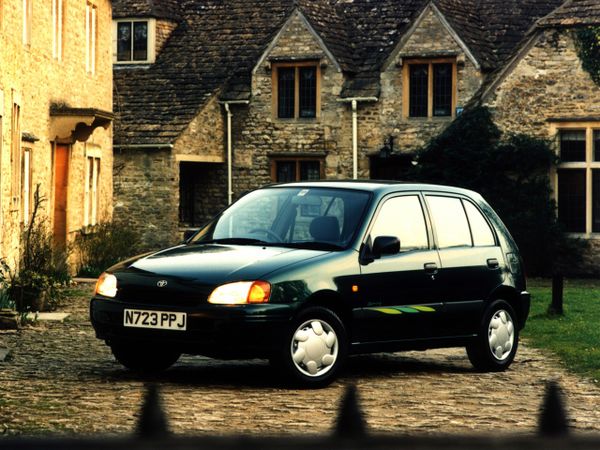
{"x": 471, "y": 261}
{"x": 400, "y": 292}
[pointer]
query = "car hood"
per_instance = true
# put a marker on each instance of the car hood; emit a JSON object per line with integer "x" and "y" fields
{"x": 213, "y": 264}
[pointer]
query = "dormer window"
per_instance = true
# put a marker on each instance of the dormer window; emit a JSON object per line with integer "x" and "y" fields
{"x": 134, "y": 41}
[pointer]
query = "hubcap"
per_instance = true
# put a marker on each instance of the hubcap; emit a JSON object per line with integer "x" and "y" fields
{"x": 501, "y": 335}
{"x": 314, "y": 348}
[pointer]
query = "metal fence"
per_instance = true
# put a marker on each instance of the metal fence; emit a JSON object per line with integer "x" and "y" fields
{"x": 350, "y": 432}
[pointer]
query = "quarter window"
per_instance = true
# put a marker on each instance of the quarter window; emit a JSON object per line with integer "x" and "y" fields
{"x": 402, "y": 217}
{"x": 578, "y": 177}
{"x": 450, "y": 221}
{"x": 480, "y": 229}
{"x": 429, "y": 90}
{"x": 296, "y": 90}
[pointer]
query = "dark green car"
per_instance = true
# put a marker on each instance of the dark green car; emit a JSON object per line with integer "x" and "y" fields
{"x": 307, "y": 273}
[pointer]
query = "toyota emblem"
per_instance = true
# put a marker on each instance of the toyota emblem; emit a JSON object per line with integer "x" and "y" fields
{"x": 161, "y": 283}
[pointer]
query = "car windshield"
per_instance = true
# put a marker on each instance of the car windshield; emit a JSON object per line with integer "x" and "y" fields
{"x": 304, "y": 217}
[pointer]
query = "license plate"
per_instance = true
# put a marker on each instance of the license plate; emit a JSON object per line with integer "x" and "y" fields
{"x": 162, "y": 320}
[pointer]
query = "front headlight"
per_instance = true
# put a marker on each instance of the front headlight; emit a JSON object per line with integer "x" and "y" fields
{"x": 241, "y": 293}
{"x": 107, "y": 285}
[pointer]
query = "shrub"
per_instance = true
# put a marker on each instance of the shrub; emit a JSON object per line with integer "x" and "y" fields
{"x": 513, "y": 174}
{"x": 102, "y": 246}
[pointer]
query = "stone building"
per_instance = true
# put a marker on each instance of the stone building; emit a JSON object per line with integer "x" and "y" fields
{"x": 232, "y": 95}
{"x": 55, "y": 117}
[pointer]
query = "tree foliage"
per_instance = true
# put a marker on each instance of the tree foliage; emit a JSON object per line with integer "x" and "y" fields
{"x": 587, "y": 40}
{"x": 512, "y": 172}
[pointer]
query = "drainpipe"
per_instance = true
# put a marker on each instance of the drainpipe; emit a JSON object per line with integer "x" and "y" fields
{"x": 354, "y": 141}
{"x": 354, "y": 102}
{"x": 230, "y": 146}
{"x": 229, "y": 152}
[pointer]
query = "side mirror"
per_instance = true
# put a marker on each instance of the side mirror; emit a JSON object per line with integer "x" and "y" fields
{"x": 385, "y": 245}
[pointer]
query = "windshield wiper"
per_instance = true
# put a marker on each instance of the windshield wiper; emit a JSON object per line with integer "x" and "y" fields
{"x": 235, "y": 241}
{"x": 312, "y": 245}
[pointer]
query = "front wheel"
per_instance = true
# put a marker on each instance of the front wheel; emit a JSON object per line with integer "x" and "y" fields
{"x": 496, "y": 345}
{"x": 144, "y": 359}
{"x": 314, "y": 348}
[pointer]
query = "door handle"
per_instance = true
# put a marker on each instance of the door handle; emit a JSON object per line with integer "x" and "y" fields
{"x": 493, "y": 263}
{"x": 430, "y": 268}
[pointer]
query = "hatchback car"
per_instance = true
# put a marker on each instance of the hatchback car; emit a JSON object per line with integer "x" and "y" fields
{"x": 305, "y": 274}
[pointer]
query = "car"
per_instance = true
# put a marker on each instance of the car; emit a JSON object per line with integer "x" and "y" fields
{"x": 305, "y": 274}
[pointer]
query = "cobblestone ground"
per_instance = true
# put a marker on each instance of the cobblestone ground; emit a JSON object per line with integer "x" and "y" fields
{"x": 60, "y": 379}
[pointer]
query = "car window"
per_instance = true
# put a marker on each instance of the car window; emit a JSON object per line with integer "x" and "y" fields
{"x": 450, "y": 221}
{"x": 305, "y": 215}
{"x": 402, "y": 217}
{"x": 480, "y": 229}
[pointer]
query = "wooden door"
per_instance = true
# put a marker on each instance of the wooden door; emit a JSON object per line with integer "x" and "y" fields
{"x": 61, "y": 184}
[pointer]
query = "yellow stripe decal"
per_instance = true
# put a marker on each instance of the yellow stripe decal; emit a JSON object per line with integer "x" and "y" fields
{"x": 387, "y": 310}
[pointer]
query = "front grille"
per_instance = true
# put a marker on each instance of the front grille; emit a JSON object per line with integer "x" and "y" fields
{"x": 144, "y": 290}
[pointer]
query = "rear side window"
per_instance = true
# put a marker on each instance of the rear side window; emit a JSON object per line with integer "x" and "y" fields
{"x": 402, "y": 217}
{"x": 450, "y": 221}
{"x": 482, "y": 233}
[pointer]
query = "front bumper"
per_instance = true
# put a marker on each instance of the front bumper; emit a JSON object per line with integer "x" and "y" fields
{"x": 224, "y": 331}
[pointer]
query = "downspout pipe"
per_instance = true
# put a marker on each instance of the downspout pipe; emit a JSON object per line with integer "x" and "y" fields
{"x": 230, "y": 146}
{"x": 354, "y": 102}
{"x": 229, "y": 155}
{"x": 354, "y": 140}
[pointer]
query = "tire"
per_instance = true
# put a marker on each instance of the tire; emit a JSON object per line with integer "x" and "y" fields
{"x": 496, "y": 344}
{"x": 313, "y": 349}
{"x": 142, "y": 359}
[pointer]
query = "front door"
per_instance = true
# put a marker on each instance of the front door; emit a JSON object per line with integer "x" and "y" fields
{"x": 400, "y": 292}
{"x": 61, "y": 184}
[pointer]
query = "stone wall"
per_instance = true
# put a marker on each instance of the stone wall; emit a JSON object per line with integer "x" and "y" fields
{"x": 164, "y": 28}
{"x": 31, "y": 77}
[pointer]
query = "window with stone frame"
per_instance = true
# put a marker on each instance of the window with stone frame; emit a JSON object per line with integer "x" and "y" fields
{"x": 429, "y": 87}
{"x": 91, "y": 25}
{"x": 91, "y": 191}
{"x": 57, "y": 29}
{"x": 577, "y": 182}
{"x": 26, "y": 191}
{"x": 296, "y": 90}
{"x": 134, "y": 41}
{"x": 288, "y": 169}
{"x": 15, "y": 155}
{"x": 27, "y": 20}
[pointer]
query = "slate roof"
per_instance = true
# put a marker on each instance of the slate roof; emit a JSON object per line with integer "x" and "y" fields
{"x": 574, "y": 13}
{"x": 218, "y": 42}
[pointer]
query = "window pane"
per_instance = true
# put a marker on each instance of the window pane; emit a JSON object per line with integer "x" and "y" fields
{"x": 310, "y": 170}
{"x": 480, "y": 229}
{"x": 572, "y": 145}
{"x": 285, "y": 92}
{"x": 402, "y": 217}
{"x": 124, "y": 41}
{"x": 596, "y": 145}
{"x": 140, "y": 41}
{"x": 418, "y": 90}
{"x": 450, "y": 222}
{"x": 571, "y": 199}
{"x": 285, "y": 171}
{"x": 442, "y": 89}
{"x": 308, "y": 92}
{"x": 595, "y": 201}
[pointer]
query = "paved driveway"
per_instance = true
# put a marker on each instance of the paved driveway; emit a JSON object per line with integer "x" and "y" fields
{"x": 60, "y": 379}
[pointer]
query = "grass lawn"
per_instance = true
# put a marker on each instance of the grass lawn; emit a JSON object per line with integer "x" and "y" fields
{"x": 574, "y": 337}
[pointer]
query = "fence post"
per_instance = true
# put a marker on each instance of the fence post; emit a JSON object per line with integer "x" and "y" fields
{"x": 152, "y": 422}
{"x": 553, "y": 418}
{"x": 350, "y": 421}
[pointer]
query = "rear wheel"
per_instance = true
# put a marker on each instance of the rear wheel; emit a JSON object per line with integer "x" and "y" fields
{"x": 140, "y": 358}
{"x": 314, "y": 348}
{"x": 496, "y": 345}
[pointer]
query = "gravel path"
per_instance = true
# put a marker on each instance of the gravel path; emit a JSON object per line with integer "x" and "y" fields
{"x": 59, "y": 379}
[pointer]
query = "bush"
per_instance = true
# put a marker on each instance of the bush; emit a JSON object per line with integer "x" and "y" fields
{"x": 513, "y": 174}
{"x": 102, "y": 246}
{"x": 43, "y": 270}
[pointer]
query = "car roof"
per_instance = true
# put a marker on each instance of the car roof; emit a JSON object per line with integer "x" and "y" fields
{"x": 380, "y": 186}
